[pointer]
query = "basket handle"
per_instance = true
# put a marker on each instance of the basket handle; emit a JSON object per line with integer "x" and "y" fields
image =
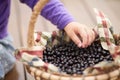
{"x": 36, "y": 11}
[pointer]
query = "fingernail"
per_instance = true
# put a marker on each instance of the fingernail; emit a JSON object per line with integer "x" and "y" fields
{"x": 79, "y": 45}
{"x": 83, "y": 46}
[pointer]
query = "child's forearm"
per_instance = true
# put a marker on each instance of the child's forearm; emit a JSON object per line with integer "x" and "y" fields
{"x": 54, "y": 11}
{"x": 57, "y": 14}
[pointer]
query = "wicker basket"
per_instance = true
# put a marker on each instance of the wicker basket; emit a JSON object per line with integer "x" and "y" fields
{"x": 39, "y": 73}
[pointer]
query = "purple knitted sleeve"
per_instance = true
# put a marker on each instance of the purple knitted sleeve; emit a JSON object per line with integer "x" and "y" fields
{"x": 54, "y": 11}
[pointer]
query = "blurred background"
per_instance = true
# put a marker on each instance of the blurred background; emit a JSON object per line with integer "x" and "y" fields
{"x": 82, "y": 10}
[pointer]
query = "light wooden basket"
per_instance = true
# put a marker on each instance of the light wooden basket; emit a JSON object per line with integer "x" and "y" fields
{"x": 39, "y": 74}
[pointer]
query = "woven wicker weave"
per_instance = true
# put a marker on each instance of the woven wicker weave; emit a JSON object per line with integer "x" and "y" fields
{"x": 41, "y": 74}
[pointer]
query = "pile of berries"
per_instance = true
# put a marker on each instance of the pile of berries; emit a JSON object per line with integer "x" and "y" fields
{"x": 73, "y": 60}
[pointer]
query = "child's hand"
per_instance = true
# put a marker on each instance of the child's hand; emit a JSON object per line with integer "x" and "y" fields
{"x": 82, "y": 35}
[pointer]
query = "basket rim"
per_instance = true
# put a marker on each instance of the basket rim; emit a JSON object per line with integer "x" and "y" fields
{"x": 54, "y": 76}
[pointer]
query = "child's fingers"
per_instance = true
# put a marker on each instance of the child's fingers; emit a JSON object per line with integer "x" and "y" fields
{"x": 84, "y": 37}
{"x": 91, "y": 36}
{"x": 75, "y": 39}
